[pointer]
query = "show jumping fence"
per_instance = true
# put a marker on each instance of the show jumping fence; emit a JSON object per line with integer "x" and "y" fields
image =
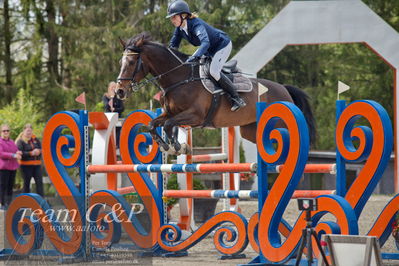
{"x": 287, "y": 148}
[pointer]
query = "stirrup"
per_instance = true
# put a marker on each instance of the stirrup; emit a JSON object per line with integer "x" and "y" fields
{"x": 237, "y": 104}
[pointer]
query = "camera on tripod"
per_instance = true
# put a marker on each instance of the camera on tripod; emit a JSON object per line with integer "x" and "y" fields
{"x": 307, "y": 204}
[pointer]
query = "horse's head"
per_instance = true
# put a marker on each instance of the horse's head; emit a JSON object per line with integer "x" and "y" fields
{"x": 132, "y": 68}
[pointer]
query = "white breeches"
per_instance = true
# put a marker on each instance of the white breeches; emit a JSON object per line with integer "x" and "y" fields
{"x": 218, "y": 61}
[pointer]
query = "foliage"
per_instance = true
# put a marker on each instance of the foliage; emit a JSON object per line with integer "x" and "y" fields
{"x": 173, "y": 185}
{"x": 15, "y": 115}
{"x": 354, "y": 64}
{"x": 207, "y": 137}
{"x": 132, "y": 198}
{"x": 62, "y": 48}
{"x": 99, "y": 107}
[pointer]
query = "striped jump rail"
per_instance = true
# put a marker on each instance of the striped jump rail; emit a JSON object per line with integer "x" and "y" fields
{"x": 238, "y": 194}
{"x": 309, "y": 168}
{"x": 174, "y": 168}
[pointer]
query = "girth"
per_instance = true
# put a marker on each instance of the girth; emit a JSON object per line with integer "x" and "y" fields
{"x": 215, "y": 104}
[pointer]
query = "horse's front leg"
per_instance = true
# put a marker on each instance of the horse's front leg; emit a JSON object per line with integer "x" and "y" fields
{"x": 175, "y": 139}
{"x": 157, "y": 122}
{"x": 175, "y": 148}
{"x": 171, "y": 128}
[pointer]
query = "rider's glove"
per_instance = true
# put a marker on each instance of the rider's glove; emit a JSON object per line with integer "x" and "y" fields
{"x": 191, "y": 59}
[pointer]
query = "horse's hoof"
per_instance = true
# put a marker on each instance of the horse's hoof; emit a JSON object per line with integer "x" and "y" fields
{"x": 185, "y": 149}
{"x": 163, "y": 148}
{"x": 177, "y": 148}
{"x": 172, "y": 151}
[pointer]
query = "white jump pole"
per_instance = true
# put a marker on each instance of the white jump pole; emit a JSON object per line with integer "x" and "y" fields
{"x": 185, "y": 181}
{"x": 231, "y": 181}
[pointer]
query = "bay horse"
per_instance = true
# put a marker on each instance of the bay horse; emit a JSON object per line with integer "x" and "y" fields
{"x": 184, "y": 99}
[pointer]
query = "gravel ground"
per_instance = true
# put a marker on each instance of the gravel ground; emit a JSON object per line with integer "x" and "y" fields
{"x": 204, "y": 252}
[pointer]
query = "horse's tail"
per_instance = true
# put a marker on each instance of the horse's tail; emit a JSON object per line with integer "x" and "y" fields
{"x": 301, "y": 99}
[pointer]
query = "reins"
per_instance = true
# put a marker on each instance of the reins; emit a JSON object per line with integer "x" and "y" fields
{"x": 153, "y": 79}
{"x": 139, "y": 65}
{"x": 190, "y": 79}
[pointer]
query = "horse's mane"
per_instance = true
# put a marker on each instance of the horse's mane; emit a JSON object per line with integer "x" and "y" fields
{"x": 145, "y": 36}
{"x": 147, "y": 39}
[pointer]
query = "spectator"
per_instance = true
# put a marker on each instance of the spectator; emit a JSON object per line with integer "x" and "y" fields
{"x": 112, "y": 103}
{"x": 31, "y": 150}
{"x": 9, "y": 154}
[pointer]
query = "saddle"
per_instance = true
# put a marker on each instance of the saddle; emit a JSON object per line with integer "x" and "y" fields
{"x": 242, "y": 83}
{"x": 230, "y": 69}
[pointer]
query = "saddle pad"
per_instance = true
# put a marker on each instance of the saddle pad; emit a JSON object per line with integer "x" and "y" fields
{"x": 242, "y": 83}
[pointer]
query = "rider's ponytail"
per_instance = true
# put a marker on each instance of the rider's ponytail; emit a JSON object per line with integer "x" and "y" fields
{"x": 193, "y": 15}
{"x": 190, "y": 16}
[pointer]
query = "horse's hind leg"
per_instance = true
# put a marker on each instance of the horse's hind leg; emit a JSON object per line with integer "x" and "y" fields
{"x": 248, "y": 132}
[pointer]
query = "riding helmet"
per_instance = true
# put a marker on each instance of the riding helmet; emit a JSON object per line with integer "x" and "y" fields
{"x": 178, "y": 7}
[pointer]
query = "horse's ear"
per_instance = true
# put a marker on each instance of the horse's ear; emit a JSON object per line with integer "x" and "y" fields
{"x": 123, "y": 43}
{"x": 140, "y": 42}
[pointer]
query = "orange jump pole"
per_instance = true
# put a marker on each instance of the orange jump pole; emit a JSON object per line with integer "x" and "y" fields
{"x": 309, "y": 168}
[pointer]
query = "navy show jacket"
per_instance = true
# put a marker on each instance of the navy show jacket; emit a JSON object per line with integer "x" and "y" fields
{"x": 209, "y": 39}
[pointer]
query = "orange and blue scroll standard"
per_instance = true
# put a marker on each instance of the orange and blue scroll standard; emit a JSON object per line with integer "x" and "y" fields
{"x": 134, "y": 149}
{"x": 288, "y": 146}
{"x": 25, "y": 233}
{"x": 374, "y": 147}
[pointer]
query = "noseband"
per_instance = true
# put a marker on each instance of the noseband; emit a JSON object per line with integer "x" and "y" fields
{"x": 137, "y": 69}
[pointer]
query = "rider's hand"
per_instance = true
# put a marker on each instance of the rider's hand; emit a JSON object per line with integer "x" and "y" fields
{"x": 191, "y": 59}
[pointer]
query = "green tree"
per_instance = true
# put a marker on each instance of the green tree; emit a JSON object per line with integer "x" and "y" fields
{"x": 14, "y": 114}
{"x": 58, "y": 49}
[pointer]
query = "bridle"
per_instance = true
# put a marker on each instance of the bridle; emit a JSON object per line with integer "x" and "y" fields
{"x": 135, "y": 86}
{"x": 137, "y": 69}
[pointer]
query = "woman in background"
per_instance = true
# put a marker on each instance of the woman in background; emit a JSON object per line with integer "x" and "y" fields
{"x": 112, "y": 103}
{"x": 31, "y": 159}
{"x": 9, "y": 154}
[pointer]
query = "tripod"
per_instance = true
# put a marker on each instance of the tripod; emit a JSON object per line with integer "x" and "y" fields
{"x": 307, "y": 234}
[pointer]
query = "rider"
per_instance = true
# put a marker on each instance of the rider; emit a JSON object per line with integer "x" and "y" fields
{"x": 212, "y": 42}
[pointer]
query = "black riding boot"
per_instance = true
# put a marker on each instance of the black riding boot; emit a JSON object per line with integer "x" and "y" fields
{"x": 228, "y": 86}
